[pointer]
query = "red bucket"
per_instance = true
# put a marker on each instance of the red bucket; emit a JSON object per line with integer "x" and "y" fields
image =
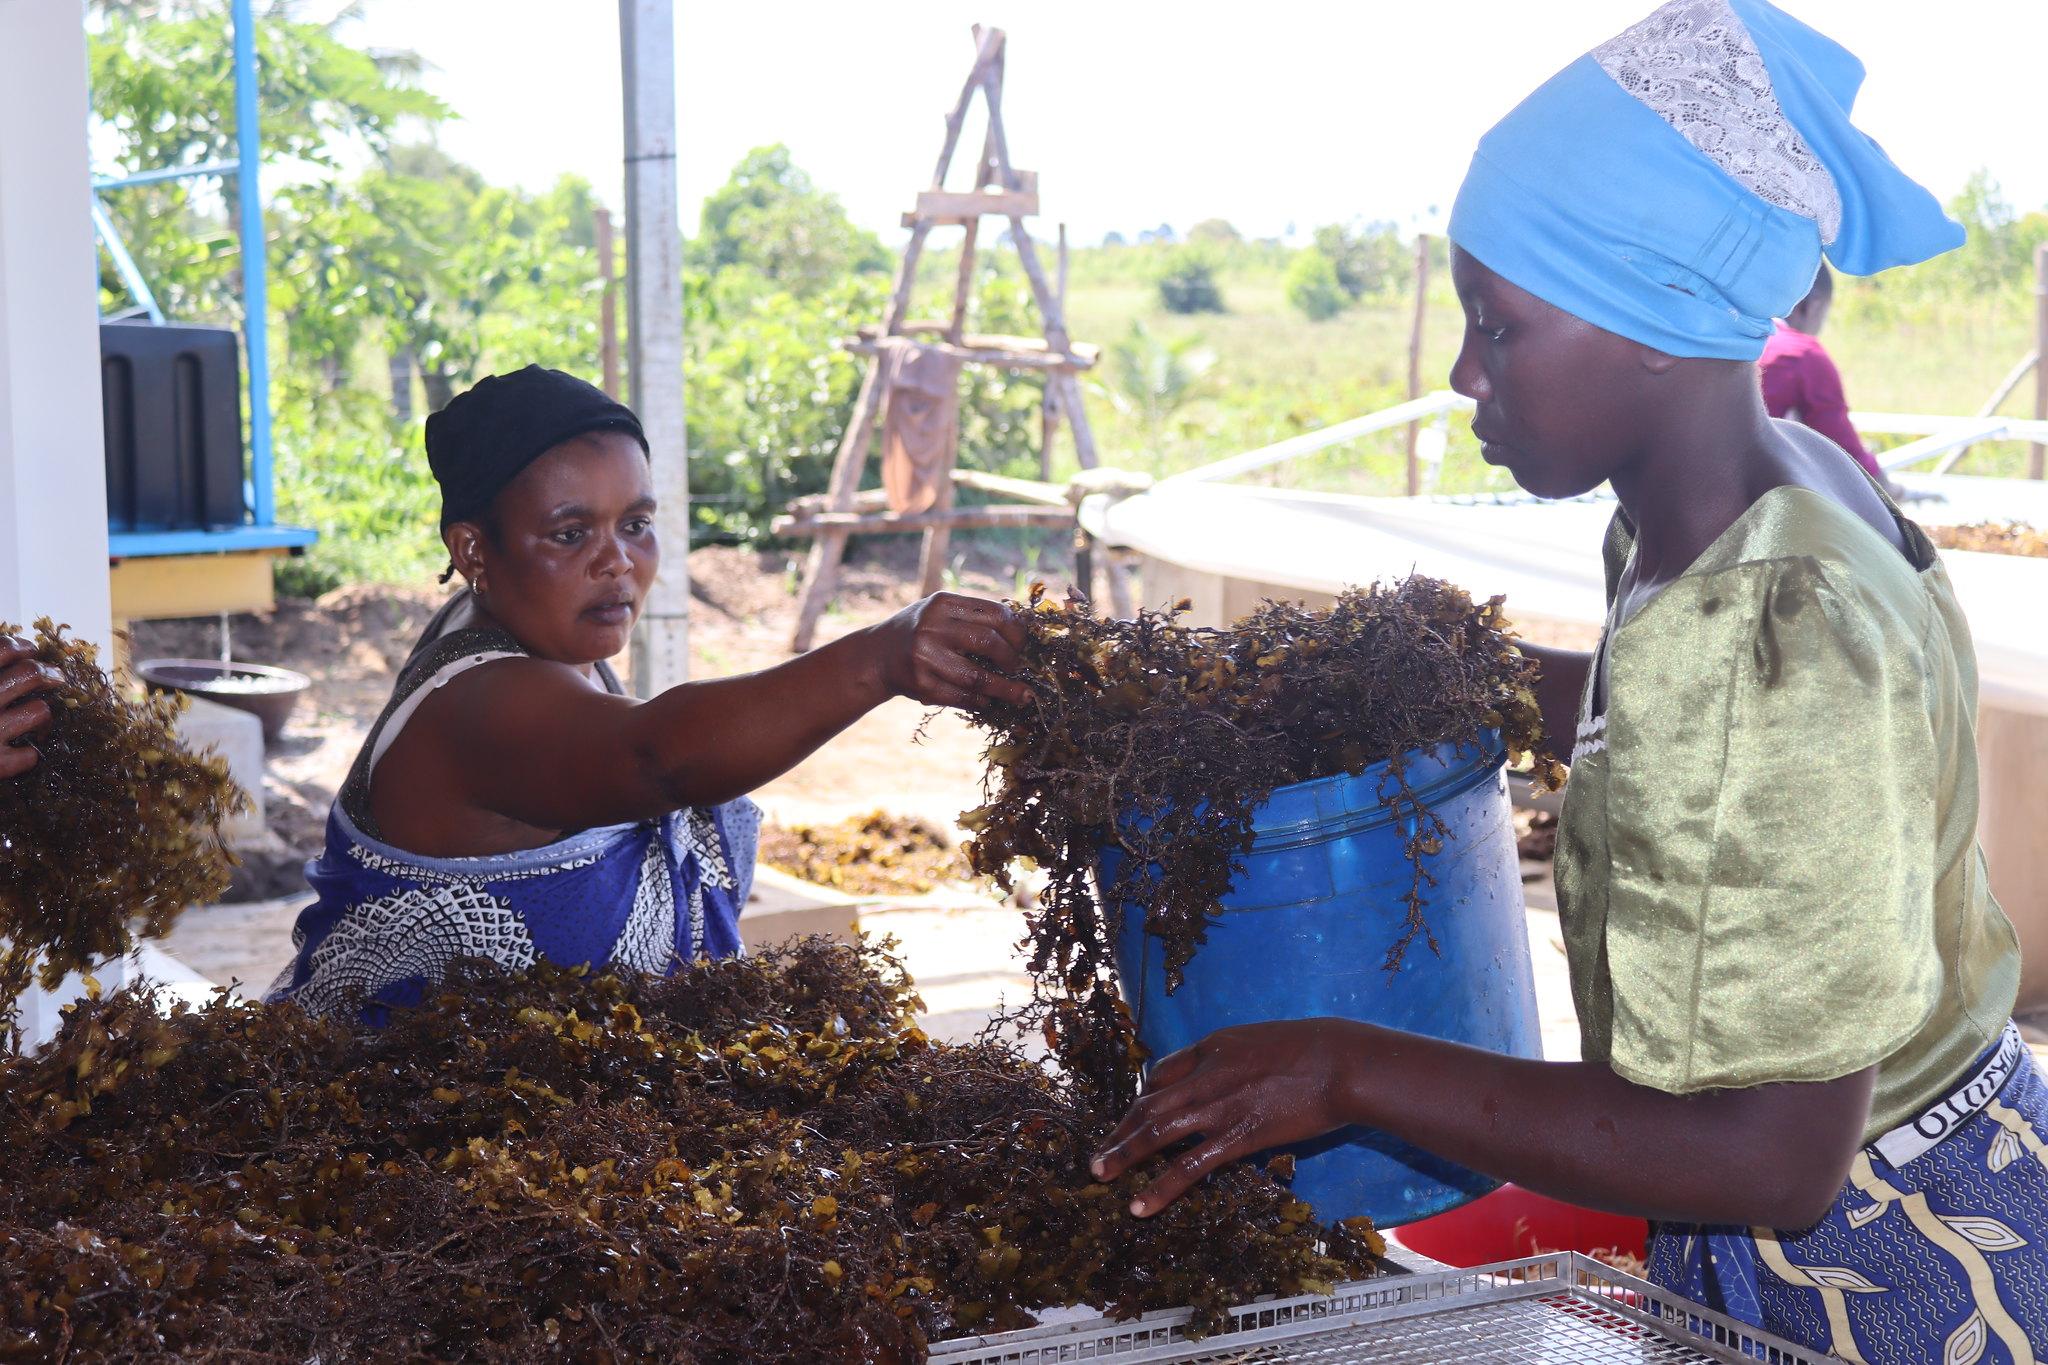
{"x": 1513, "y": 1222}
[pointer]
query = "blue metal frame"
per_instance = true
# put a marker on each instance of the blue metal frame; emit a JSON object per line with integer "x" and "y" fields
{"x": 143, "y": 544}
{"x": 122, "y": 182}
{"x": 124, "y": 264}
{"x": 255, "y": 268}
{"x": 259, "y": 497}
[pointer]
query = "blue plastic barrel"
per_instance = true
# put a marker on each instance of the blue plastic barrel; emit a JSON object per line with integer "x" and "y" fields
{"x": 1304, "y": 934}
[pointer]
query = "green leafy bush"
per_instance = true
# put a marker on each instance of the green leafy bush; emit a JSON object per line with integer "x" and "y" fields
{"x": 351, "y": 471}
{"x": 1313, "y": 288}
{"x": 1187, "y": 282}
{"x": 1368, "y": 261}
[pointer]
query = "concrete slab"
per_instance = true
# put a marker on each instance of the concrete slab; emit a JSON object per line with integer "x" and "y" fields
{"x": 782, "y": 907}
{"x": 242, "y": 946}
{"x": 42, "y": 1012}
{"x": 236, "y": 736}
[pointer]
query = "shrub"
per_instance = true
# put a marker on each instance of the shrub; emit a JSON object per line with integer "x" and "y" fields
{"x": 1313, "y": 288}
{"x": 1368, "y": 260}
{"x": 345, "y": 467}
{"x": 1187, "y": 283}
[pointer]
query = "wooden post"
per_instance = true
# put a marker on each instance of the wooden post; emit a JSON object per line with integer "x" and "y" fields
{"x": 821, "y": 573}
{"x": 1048, "y": 426}
{"x": 1049, "y": 406}
{"x": 963, "y": 288}
{"x": 938, "y": 539}
{"x": 834, "y": 522}
{"x": 1415, "y": 354}
{"x": 608, "y": 306}
{"x": 2037, "y": 454}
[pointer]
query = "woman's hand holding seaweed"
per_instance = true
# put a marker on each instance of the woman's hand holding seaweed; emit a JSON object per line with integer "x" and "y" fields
{"x": 1238, "y": 1091}
{"x": 949, "y": 650}
{"x": 22, "y": 708}
{"x": 1573, "y": 1130}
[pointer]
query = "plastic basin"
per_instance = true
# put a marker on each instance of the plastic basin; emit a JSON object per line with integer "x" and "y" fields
{"x": 1304, "y": 933}
{"x": 267, "y": 693}
{"x": 1512, "y": 1222}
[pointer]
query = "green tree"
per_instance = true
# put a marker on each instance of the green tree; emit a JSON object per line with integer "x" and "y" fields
{"x": 1313, "y": 287}
{"x": 163, "y": 95}
{"x": 1187, "y": 282}
{"x": 1998, "y": 254}
{"x": 770, "y": 395}
{"x": 768, "y": 217}
{"x": 1368, "y": 260}
{"x": 1217, "y": 230}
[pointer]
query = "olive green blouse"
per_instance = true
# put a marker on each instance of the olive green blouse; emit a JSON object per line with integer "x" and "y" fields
{"x": 1767, "y": 867}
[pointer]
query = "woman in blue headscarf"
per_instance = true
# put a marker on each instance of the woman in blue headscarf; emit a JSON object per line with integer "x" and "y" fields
{"x": 1798, "y": 1059}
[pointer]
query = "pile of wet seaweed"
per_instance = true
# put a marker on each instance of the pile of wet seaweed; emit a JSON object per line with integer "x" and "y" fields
{"x": 761, "y": 1159}
{"x": 754, "y": 1160}
{"x": 116, "y": 823}
{"x": 1993, "y": 537}
{"x": 1163, "y": 739}
{"x": 873, "y": 854}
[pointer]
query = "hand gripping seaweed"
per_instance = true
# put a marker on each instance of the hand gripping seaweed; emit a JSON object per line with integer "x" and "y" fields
{"x": 1165, "y": 738}
{"x": 118, "y": 822}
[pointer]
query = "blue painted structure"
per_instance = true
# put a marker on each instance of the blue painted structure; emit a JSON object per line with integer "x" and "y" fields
{"x": 258, "y": 494}
{"x": 1305, "y": 930}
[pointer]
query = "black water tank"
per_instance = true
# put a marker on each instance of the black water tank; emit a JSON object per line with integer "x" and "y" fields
{"x": 172, "y": 401}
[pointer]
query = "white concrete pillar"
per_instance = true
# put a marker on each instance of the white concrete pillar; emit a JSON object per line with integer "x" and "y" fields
{"x": 53, "y": 482}
{"x": 53, "y": 492}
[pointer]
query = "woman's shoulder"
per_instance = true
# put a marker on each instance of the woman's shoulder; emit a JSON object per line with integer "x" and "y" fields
{"x": 1801, "y": 535}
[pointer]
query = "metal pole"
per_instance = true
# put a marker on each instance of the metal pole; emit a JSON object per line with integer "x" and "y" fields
{"x": 2036, "y": 463}
{"x": 255, "y": 267}
{"x": 608, "y": 305}
{"x": 654, "y": 321}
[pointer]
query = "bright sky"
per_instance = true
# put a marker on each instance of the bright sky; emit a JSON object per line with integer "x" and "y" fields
{"x": 1287, "y": 112}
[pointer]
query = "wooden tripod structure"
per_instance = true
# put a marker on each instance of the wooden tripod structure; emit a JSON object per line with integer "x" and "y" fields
{"x": 1000, "y": 191}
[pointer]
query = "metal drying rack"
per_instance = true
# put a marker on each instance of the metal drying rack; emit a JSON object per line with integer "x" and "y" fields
{"x": 1556, "y": 1309}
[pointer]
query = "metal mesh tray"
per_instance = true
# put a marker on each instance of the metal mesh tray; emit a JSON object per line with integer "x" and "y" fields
{"x": 1563, "y": 1308}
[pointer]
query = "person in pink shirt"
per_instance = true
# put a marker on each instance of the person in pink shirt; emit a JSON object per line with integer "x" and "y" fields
{"x": 1800, "y": 379}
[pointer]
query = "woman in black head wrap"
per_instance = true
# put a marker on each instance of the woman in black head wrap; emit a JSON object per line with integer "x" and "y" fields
{"x": 511, "y": 801}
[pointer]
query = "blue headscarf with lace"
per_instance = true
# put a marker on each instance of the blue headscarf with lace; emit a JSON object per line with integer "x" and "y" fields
{"x": 1679, "y": 184}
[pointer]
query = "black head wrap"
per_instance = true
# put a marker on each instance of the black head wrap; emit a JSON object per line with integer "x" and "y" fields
{"x": 486, "y": 435}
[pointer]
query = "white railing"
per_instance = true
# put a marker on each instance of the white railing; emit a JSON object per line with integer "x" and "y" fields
{"x": 1438, "y": 405}
{"x": 1940, "y": 437}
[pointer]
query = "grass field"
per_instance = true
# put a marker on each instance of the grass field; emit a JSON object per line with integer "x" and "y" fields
{"x": 1276, "y": 374}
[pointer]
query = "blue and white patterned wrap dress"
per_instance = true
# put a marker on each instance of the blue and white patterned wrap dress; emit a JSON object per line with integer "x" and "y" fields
{"x": 1936, "y": 1249}
{"x": 652, "y": 896}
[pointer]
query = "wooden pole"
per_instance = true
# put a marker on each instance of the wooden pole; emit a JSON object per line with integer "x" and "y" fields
{"x": 1415, "y": 354}
{"x": 963, "y": 289}
{"x": 2037, "y": 454}
{"x": 1049, "y": 406}
{"x": 608, "y": 306}
{"x": 987, "y": 43}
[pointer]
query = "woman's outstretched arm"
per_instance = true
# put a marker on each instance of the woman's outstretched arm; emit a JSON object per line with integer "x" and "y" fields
{"x": 532, "y": 741}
